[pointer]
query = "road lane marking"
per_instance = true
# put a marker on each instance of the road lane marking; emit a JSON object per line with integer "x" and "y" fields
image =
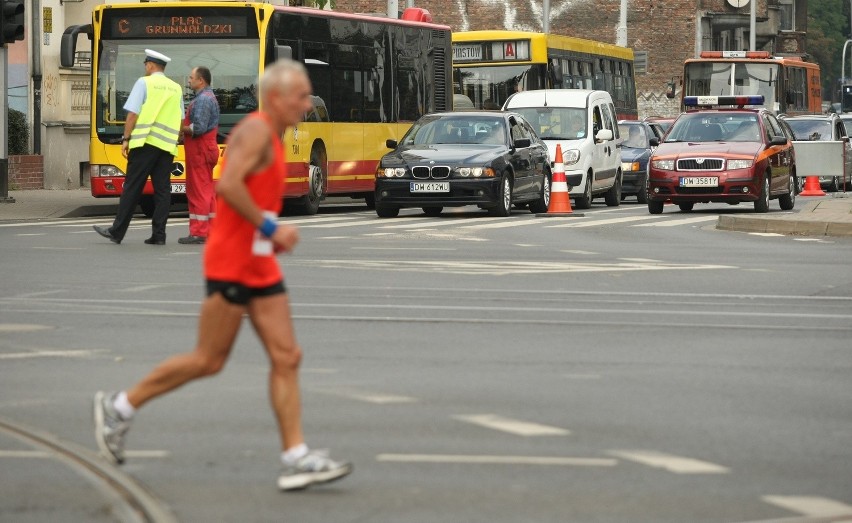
{"x": 32, "y": 234}
{"x": 381, "y": 399}
{"x": 512, "y": 426}
{"x": 142, "y": 288}
{"x": 48, "y": 354}
{"x": 810, "y": 505}
{"x": 41, "y": 454}
{"x": 497, "y": 460}
{"x": 669, "y": 462}
{"x": 22, "y": 327}
{"x": 513, "y": 223}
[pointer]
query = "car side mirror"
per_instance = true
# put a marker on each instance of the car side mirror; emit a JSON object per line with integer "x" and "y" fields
{"x": 522, "y": 143}
{"x": 654, "y": 142}
{"x": 391, "y": 144}
{"x": 603, "y": 135}
{"x": 778, "y": 140}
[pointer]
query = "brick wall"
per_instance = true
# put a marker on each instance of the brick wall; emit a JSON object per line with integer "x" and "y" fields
{"x": 26, "y": 171}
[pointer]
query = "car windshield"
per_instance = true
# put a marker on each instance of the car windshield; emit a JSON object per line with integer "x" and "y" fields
{"x": 556, "y": 123}
{"x": 457, "y": 130}
{"x": 811, "y": 130}
{"x": 715, "y": 127}
{"x": 635, "y": 134}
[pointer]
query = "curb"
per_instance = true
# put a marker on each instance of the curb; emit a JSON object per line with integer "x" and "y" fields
{"x": 796, "y": 227}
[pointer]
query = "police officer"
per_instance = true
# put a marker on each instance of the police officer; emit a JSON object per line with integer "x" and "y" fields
{"x": 154, "y": 110}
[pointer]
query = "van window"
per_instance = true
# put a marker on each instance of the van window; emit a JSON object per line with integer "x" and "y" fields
{"x": 610, "y": 119}
{"x": 597, "y": 120}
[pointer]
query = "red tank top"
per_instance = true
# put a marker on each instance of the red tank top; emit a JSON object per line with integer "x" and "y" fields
{"x": 230, "y": 253}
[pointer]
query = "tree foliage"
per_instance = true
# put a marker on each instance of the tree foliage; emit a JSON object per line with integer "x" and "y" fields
{"x": 828, "y": 30}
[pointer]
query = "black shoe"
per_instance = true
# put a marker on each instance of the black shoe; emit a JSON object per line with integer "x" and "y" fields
{"x": 155, "y": 241}
{"x": 103, "y": 231}
{"x": 194, "y": 240}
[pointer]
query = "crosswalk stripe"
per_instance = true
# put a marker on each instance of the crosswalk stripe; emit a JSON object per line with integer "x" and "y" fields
{"x": 673, "y": 223}
{"x": 810, "y": 505}
{"x": 514, "y": 223}
{"x": 594, "y": 223}
{"x": 676, "y": 464}
{"x": 370, "y": 221}
{"x": 520, "y": 428}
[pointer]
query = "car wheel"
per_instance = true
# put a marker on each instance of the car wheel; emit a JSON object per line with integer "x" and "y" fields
{"x": 642, "y": 195}
{"x": 309, "y": 203}
{"x": 686, "y": 206}
{"x": 432, "y": 211}
{"x": 542, "y": 203}
{"x": 370, "y": 200}
{"x": 787, "y": 201}
{"x": 762, "y": 203}
{"x": 585, "y": 201}
{"x": 387, "y": 211}
{"x": 504, "y": 198}
{"x": 147, "y": 206}
{"x": 613, "y": 195}
{"x": 655, "y": 207}
{"x": 834, "y": 185}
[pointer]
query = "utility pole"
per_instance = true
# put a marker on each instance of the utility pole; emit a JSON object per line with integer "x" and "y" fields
{"x": 621, "y": 32}
{"x": 11, "y": 30}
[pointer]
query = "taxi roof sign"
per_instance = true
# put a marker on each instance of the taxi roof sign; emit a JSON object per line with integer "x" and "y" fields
{"x": 699, "y": 101}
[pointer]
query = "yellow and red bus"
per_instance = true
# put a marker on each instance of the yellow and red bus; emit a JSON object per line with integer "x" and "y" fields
{"x": 372, "y": 78}
{"x": 488, "y": 66}
{"x": 788, "y": 85}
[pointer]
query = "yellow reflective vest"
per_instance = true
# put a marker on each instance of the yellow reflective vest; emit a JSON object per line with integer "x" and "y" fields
{"x": 159, "y": 119}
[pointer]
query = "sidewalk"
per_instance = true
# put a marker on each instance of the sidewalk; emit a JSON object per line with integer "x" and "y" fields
{"x": 829, "y": 215}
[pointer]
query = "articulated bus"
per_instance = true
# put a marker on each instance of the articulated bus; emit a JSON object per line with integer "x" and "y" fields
{"x": 788, "y": 85}
{"x": 372, "y": 78}
{"x": 488, "y": 66}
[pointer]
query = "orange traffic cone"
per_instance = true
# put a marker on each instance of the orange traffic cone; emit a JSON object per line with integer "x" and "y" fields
{"x": 560, "y": 202}
{"x": 812, "y": 187}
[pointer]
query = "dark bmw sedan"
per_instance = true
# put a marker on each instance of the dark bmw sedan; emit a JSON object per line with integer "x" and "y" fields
{"x": 491, "y": 159}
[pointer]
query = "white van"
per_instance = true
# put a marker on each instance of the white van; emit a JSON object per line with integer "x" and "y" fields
{"x": 583, "y": 122}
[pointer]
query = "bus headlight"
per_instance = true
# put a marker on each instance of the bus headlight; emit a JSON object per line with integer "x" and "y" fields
{"x": 663, "y": 165}
{"x": 104, "y": 171}
{"x": 740, "y": 164}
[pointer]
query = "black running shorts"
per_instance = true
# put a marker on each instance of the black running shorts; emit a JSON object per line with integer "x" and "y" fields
{"x": 239, "y": 294}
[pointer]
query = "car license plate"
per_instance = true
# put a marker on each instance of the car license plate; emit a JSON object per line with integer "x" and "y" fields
{"x": 700, "y": 181}
{"x": 179, "y": 188}
{"x": 430, "y": 186}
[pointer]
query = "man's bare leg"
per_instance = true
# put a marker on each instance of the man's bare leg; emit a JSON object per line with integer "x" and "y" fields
{"x": 218, "y": 325}
{"x": 271, "y": 318}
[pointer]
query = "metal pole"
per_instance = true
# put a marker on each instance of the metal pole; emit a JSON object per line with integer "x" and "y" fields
{"x": 4, "y": 128}
{"x": 621, "y": 33}
{"x": 545, "y": 16}
{"x": 843, "y": 62}
{"x": 752, "y": 27}
{"x": 393, "y": 8}
{"x": 35, "y": 42}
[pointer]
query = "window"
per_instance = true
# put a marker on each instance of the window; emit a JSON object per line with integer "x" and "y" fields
{"x": 787, "y": 9}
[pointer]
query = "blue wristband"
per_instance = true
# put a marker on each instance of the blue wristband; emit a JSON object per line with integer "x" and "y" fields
{"x": 267, "y": 228}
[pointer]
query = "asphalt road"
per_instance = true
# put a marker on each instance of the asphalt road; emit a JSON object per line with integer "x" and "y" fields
{"x": 616, "y": 367}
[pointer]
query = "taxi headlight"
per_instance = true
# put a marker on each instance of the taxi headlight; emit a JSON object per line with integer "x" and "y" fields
{"x": 664, "y": 165}
{"x": 740, "y": 164}
{"x": 629, "y": 167}
{"x": 570, "y": 156}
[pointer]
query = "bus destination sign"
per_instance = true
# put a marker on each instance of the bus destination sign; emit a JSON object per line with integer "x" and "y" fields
{"x": 197, "y": 26}
{"x": 502, "y": 51}
{"x": 467, "y": 52}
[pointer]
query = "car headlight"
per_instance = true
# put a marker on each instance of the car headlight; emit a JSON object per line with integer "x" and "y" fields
{"x": 391, "y": 172}
{"x": 570, "y": 156}
{"x": 664, "y": 165}
{"x": 476, "y": 172}
{"x": 629, "y": 167}
{"x": 740, "y": 164}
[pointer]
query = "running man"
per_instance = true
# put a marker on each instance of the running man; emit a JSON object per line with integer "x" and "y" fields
{"x": 243, "y": 277}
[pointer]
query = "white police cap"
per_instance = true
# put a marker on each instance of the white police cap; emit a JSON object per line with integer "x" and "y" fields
{"x": 157, "y": 58}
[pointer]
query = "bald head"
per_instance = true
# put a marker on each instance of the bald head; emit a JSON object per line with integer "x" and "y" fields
{"x": 280, "y": 77}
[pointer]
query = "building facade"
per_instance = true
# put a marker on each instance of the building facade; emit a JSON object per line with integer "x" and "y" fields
{"x": 663, "y": 35}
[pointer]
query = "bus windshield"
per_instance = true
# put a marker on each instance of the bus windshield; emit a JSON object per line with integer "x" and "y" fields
{"x": 732, "y": 78}
{"x": 489, "y": 87}
{"x": 233, "y": 67}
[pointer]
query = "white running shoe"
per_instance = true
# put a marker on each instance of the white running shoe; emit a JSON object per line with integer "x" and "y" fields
{"x": 313, "y": 468}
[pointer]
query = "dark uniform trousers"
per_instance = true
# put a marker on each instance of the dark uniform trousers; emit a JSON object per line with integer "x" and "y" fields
{"x": 141, "y": 162}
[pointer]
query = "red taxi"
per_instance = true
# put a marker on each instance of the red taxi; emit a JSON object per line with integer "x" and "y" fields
{"x": 718, "y": 153}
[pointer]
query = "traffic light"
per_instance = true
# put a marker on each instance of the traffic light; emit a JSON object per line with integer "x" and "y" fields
{"x": 11, "y": 21}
